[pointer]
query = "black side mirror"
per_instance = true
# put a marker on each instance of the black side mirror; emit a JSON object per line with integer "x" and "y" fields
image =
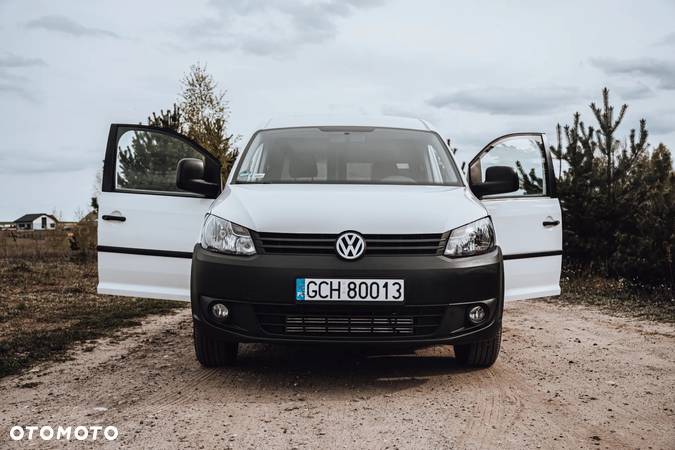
{"x": 498, "y": 180}
{"x": 190, "y": 177}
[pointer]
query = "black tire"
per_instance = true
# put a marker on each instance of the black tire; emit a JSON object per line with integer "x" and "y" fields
{"x": 211, "y": 352}
{"x": 480, "y": 354}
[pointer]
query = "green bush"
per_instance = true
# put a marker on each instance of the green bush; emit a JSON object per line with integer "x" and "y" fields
{"x": 618, "y": 199}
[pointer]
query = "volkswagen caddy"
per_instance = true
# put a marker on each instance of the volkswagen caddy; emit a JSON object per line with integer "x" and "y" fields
{"x": 360, "y": 230}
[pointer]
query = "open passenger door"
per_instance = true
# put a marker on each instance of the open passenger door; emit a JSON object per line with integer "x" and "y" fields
{"x": 147, "y": 225}
{"x": 528, "y": 221}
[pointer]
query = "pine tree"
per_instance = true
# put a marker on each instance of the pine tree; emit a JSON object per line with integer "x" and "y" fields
{"x": 171, "y": 119}
{"x": 577, "y": 188}
{"x": 529, "y": 181}
{"x": 205, "y": 115}
{"x": 646, "y": 235}
{"x": 606, "y": 142}
{"x": 618, "y": 200}
{"x": 149, "y": 160}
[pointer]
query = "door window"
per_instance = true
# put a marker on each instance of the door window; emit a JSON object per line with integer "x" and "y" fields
{"x": 525, "y": 154}
{"x": 147, "y": 160}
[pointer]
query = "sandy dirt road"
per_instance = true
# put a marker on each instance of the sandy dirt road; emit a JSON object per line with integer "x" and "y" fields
{"x": 567, "y": 377}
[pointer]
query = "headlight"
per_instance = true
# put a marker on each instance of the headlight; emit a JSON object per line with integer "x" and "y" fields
{"x": 223, "y": 236}
{"x": 471, "y": 239}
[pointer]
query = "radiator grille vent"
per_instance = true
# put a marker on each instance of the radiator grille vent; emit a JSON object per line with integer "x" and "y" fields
{"x": 376, "y": 244}
{"x": 317, "y": 320}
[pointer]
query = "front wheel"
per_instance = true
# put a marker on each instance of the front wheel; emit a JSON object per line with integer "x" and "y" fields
{"x": 212, "y": 352}
{"x": 481, "y": 353}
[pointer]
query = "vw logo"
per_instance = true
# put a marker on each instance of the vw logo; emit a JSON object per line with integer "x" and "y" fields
{"x": 350, "y": 245}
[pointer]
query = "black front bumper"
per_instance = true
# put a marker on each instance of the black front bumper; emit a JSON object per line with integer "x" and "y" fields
{"x": 259, "y": 292}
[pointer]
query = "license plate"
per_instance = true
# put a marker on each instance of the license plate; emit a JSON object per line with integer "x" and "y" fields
{"x": 333, "y": 289}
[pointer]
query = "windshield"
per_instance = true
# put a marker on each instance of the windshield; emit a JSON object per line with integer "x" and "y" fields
{"x": 347, "y": 156}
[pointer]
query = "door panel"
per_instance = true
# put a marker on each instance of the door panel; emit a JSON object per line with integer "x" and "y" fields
{"x": 128, "y": 260}
{"x": 528, "y": 222}
{"x": 532, "y": 256}
{"x": 147, "y": 227}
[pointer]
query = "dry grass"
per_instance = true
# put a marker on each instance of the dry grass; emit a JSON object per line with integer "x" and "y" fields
{"x": 35, "y": 244}
{"x": 618, "y": 297}
{"x": 48, "y": 305}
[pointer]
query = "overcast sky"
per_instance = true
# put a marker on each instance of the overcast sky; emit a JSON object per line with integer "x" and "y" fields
{"x": 476, "y": 69}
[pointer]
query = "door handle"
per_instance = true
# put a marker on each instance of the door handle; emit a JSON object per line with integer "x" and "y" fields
{"x": 117, "y": 218}
{"x": 550, "y": 223}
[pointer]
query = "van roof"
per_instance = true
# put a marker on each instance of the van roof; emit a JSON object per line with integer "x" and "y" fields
{"x": 330, "y": 120}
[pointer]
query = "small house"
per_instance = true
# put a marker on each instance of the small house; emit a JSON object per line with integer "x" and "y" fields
{"x": 39, "y": 221}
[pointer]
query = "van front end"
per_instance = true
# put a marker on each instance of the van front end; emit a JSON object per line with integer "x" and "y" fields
{"x": 284, "y": 297}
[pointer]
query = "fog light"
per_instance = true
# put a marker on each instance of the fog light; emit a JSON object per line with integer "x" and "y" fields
{"x": 477, "y": 314}
{"x": 220, "y": 311}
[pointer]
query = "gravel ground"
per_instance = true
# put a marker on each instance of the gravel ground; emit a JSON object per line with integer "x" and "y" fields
{"x": 567, "y": 377}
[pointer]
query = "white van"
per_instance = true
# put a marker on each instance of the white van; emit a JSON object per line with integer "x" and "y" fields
{"x": 356, "y": 230}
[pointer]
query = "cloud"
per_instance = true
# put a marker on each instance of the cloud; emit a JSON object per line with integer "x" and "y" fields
{"x": 7, "y": 75}
{"x": 661, "y": 122}
{"x": 299, "y": 8}
{"x": 662, "y": 71}
{"x": 635, "y": 91}
{"x": 18, "y": 91}
{"x": 668, "y": 39}
{"x": 512, "y": 101}
{"x": 62, "y": 24}
{"x": 10, "y": 60}
{"x": 271, "y": 28}
{"x": 17, "y": 85}
{"x": 54, "y": 160}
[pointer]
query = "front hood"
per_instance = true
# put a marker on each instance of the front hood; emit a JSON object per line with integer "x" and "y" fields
{"x": 331, "y": 209}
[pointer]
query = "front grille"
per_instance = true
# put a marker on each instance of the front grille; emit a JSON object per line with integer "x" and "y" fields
{"x": 348, "y": 325}
{"x": 355, "y": 320}
{"x": 376, "y": 244}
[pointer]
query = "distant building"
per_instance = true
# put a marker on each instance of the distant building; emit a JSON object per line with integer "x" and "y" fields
{"x": 7, "y": 226}
{"x": 39, "y": 221}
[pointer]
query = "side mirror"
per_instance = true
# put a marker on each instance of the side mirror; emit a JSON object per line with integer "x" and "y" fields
{"x": 190, "y": 177}
{"x": 498, "y": 180}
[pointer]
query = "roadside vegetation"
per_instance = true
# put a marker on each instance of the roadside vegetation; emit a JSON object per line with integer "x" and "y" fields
{"x": 617, "y": 296}
{"x": 618, "y": 200}
{"x": 202, "y": 114}
{"x": 49, "y": 304}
